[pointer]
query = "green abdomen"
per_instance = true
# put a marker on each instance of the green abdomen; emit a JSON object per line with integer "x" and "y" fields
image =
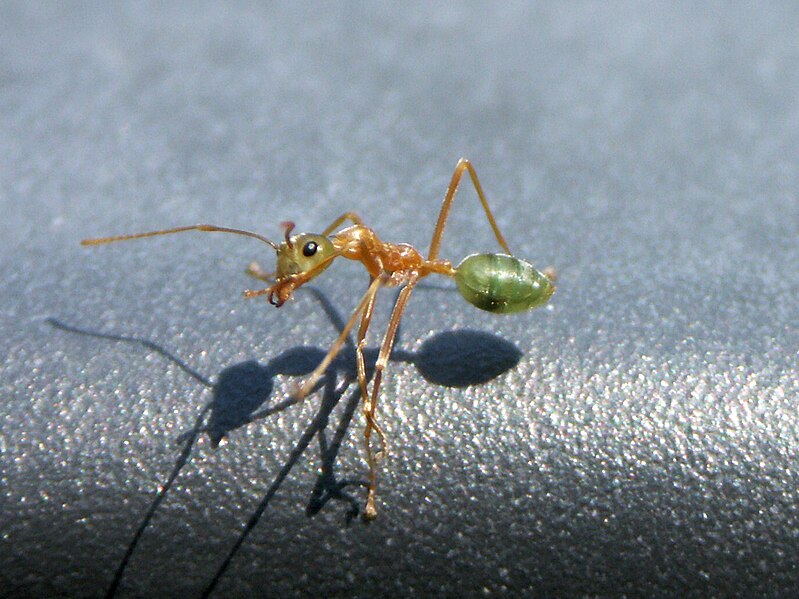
{"x": 502, "y": 284}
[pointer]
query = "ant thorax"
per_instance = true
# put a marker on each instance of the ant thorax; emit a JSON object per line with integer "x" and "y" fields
{"x": 398, "y": 260}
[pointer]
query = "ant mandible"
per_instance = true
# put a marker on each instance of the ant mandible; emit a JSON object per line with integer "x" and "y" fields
{"x": 499, "y": 283}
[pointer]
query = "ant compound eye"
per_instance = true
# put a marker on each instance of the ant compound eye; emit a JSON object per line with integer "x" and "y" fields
{"x": 309, "y": 249}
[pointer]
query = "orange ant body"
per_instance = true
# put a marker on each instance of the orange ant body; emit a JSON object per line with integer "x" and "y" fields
{"x": 499, "y": 283}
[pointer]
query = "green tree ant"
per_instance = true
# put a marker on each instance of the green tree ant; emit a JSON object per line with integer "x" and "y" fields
{"x": 498, "y": 283}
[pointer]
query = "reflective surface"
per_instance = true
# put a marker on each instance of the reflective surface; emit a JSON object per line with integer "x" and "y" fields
{"x": 644, "y": 443}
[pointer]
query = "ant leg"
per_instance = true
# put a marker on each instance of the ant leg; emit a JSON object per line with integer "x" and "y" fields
{"x": 312, "y": 379}
{"x": 297, "y": 279}
{"x": 254, "y": 270}
{"x": 351, "y": 216}
{"x": 366, "y": 318}
{"x": 463, "y": 165}
{"x": 249, "y": 293}
{"x": 362, "y": 382}
{"x": 370, "y": 409}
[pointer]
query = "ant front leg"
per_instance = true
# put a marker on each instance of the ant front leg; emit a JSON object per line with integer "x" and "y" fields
{"x": 463, "y": 165}
{"x": 254, "y": 270}
{"x": 283, "y": 287}
{"x": 366, "y": 318}
{"x": 370, "y": 406}
{"x": 312, "y": 378}
{"x": 257, "y": 272}
{"x": 350, "y": 216}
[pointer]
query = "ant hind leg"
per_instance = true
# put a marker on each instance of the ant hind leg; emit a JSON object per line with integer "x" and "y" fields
{"x": 463, "y": 165}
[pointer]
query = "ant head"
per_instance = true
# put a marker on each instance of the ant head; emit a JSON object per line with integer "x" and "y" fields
{"x": 303, "y": 253}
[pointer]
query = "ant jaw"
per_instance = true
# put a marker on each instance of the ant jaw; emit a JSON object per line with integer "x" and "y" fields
{"x": 277, "y": 294}
{"x": 280, "y": 292}
{"x": 272, "y": 301}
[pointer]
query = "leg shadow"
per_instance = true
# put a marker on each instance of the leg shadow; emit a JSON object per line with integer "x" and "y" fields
{"x": 242, "y": 391}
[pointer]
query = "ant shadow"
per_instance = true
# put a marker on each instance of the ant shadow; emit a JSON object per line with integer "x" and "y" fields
{"x": 241, "y": 393}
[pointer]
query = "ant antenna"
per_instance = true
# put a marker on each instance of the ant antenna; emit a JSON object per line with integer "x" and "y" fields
{"x": 210, "y": 228}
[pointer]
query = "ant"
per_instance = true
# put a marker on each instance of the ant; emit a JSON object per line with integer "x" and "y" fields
{"x": 498, "y": 283}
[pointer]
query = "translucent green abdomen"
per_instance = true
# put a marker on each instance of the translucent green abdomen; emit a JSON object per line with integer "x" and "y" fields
{"x": 502, "y": 284}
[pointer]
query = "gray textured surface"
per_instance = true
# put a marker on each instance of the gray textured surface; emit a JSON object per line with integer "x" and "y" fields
{"x": 646, "y": 442}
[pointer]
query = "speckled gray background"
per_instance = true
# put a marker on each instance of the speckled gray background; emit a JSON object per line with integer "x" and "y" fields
{"x": 646, "y": 442}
